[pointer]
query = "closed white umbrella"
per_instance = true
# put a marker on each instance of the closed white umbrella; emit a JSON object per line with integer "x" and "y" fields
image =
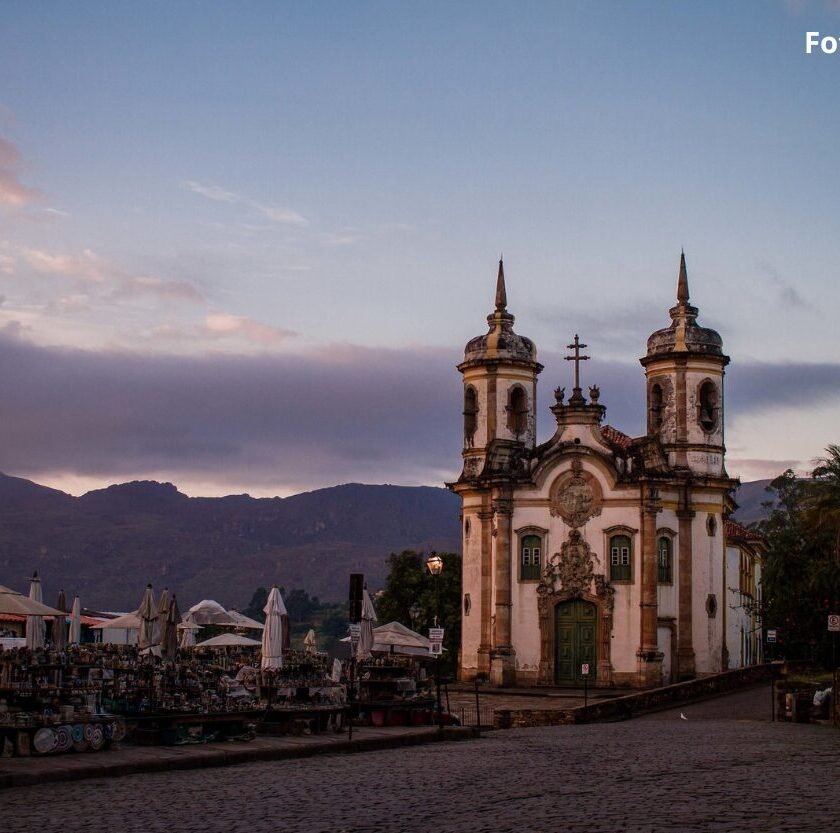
{"x": 169, "y": 636}
{"x": 76, "y": 623}
{"x": 163, "y": 615}
{"x": 366, "y": 632}
{"x": 59, "y": 630}
{"x": 147, "y": 613}
{"x": 272, "y": 636}
{"x": 188, "y": 630}
{"x": 309, "y": 642}
{"x": 35, "y": 627}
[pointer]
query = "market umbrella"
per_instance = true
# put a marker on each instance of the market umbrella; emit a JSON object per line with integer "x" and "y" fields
{"x": 243, "y": 621}
{"x": 309, "y": 642}
{"x": 13, "y": 602}
{"x": 147, "y": 613}
{"x": 366, "y": 632}
{"x": 76, "y": 623}
{"x": 396, "y": 638}
{"x": 128, "y": 621}
{"x": 35, "y": 627}
{"x": 188, "y": 630}
{"x": 169, "y": 635}
{"x": 59, "y": 629}
{"x": 272, "y": 636}
{"x": 228, "y": 640}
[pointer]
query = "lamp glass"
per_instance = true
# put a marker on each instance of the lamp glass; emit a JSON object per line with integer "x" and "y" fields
{"x": 434, "y": 564}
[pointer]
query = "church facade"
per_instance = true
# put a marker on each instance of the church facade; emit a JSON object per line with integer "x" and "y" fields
{"x": 594, "y": 556}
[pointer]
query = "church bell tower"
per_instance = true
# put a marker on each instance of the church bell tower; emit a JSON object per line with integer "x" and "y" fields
{"x": 684, "y": 368}
{"x": 500, "y": 386}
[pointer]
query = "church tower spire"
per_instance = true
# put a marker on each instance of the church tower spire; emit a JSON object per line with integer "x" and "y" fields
{"x": 682, "y": 282}
{"x": 684, "y": 366}
{"x": 501, "y": 291}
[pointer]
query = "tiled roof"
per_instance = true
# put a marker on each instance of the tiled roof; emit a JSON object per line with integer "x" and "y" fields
{"x": 735, "y": 531}
{"x": 616, "y": 437}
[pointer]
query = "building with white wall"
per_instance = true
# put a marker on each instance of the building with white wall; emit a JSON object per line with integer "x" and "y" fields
{"x": 595, "y": 550}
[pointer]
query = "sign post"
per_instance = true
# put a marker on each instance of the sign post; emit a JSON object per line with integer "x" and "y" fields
{"x": 584, "y": 672}
{"x": 834, "y": 628}
{"x": 436, "y": 650}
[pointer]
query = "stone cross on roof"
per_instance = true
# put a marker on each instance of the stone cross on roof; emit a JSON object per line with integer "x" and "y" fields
{"x": 576, "y": 396}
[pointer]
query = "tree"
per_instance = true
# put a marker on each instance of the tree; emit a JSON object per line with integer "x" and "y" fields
{"x": 410, "y": 586}
{"x": 801, "y": 573}
{"x": 256, "y": 605}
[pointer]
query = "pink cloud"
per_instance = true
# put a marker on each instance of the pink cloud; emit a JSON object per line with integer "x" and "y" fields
{"x": 12, "y": 191}
{"x": 225, "y": 325}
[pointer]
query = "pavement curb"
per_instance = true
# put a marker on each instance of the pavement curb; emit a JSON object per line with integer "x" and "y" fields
{"x": 75, "y": 768}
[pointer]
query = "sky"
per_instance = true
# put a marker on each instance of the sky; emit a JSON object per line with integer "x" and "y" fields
{"x": 242, "y": 245}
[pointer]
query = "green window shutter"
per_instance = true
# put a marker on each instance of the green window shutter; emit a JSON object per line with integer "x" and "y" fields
{"x": 621, "y": 561}
{"x": 530, "y": 557}
{"x": 665, "y": 573}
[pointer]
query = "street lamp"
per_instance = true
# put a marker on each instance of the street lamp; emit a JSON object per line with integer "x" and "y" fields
{"x": 434, "y": 564}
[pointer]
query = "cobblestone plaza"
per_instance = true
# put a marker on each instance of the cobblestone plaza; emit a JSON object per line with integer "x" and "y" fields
{"x": 726, "y": 767}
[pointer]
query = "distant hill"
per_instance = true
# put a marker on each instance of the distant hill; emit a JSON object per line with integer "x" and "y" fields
{"x": 107, "y": 544}
{"x": 749, "y": 497}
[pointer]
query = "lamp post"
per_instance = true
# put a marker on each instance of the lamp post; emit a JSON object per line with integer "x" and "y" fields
{"x": 434, "y": 564}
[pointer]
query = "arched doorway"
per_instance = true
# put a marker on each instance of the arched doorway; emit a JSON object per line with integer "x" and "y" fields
{"x": 575, "y": 635}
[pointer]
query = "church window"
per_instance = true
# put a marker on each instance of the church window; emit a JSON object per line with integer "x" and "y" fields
{"x": 530, "y": 557}
{"x": 711, "y": 525}
{"x": 620, "y": 560}
{"x": 655, "y": 408}
{"x": 470, "y": 415}
{"x": 665, "y": 561}
{"x": 708, "y": 406}
{"x": 517, "y": 411}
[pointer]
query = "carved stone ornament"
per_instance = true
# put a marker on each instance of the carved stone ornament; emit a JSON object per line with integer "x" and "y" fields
{"x": 576, "y": 496}
{"x": 571, "y": 567}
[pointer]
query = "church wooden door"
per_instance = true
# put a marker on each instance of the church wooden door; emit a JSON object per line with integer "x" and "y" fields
{"x": 574, "y": 641}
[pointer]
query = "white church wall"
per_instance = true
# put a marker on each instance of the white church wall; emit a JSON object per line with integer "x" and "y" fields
{"x": 707, "y": 581}
{"x": 471, "y": 585}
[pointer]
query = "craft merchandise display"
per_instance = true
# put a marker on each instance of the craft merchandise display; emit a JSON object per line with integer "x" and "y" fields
{"x": 85, "y": 698}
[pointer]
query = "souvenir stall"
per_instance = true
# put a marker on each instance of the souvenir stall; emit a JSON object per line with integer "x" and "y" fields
{"x": 392, "y": 683}
{"x": 300, "y": 696}
{"x": 50, "y": 702}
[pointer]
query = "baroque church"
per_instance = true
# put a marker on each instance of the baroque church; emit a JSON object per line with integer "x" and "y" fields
{"x": 597, "y": 556}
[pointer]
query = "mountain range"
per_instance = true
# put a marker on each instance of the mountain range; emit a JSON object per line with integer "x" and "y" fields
{"x": 108, "y": 544}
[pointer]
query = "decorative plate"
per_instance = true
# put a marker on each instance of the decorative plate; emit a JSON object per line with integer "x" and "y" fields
{"x": 78, "y": 732}
{"x": 88, "y": 732}
{"x": 64, "y": 739}
{"x": 97, "y": 740}
{"x": 44, "y": 741}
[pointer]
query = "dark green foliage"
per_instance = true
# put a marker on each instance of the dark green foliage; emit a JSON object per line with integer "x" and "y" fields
{"x": 300, "y": 606}
{"x": 410, "y": 584}
{"x": 256, "y": 605}
{"x": 801, "y": 573}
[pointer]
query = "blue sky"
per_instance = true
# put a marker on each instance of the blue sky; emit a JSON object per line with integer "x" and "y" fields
{"x": 300, "y": 202}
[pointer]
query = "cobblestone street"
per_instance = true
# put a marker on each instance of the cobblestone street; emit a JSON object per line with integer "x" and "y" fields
{"x": 725, "y": 768}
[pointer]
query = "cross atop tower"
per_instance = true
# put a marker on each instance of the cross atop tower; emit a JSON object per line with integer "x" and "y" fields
{"x": 576, "y": 396}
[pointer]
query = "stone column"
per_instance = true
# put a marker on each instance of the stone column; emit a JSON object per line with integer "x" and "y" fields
{"x": 685, "y": 640}
{"x": 486, "y": 601}
{"x": 502, "y": 664}
{"x": 649, "y": 656}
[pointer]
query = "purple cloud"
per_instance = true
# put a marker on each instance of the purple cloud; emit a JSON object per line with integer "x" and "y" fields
{"x": 290, "y": 422}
